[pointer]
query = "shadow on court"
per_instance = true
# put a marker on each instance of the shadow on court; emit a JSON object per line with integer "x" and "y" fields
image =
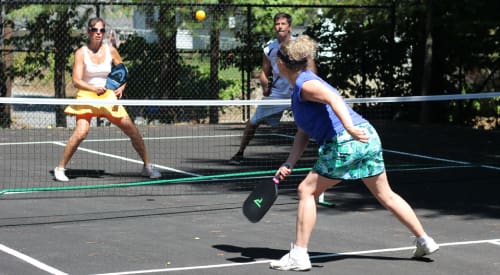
{"x": 250, "y": 254}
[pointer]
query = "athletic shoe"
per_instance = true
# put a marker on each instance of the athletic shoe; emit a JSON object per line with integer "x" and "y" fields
{"x": 292, "y": 261}
{"x": 236, "y": 159}
{"x": 425, "y": 247}
{"x": 150, "y": 172}
{"x": 59, "y": 174}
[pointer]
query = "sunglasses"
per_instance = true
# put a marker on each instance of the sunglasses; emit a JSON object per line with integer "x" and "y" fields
{"x": 103, "y": 30}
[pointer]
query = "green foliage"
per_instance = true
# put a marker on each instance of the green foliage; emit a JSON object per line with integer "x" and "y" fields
{"x": 52, "y": 28}
{"x": 232, "y": 91}
{"x": 371, "y": 57}
{"x": 143, "y": 61}
{"x": 30, "y": 66}
{"x": 358, "y": 54}
{"x": 29, "y": 12}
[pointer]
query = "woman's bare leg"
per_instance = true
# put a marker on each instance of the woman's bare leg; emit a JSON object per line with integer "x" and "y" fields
{"x": 80, "y": 133}
{"x": 308, "y": 191}
{"x": 129, "y": 128}
{"x": 379, "y": 187}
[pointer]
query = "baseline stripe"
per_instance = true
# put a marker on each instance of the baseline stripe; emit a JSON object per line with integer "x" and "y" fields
{"x": 312, "y": 257}
{"x": 130, "y": 160}
{"x": 31, "y": 261}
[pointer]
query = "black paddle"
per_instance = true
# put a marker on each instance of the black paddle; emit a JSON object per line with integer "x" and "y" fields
{"x": 260, "y": 200}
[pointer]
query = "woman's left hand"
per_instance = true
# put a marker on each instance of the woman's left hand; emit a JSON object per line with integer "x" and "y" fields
{"x": 119, "y": 92}
{"x": 358, "y": 133}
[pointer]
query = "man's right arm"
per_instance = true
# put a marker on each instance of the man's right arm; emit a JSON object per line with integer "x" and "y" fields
{"x": 264, "y": 74}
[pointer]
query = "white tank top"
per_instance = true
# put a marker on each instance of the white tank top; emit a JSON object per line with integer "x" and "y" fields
{"x": 95, "y": 74}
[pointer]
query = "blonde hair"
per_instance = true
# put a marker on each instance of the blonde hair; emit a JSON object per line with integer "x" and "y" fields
{"x": 295, "y": 53}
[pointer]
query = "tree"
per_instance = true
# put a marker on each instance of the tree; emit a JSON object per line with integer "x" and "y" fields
{"x": 55, "y": 27}
{"x": 428, "y": 48}
{"x": 5, "y": 68}
{"x": 465, "y": 54}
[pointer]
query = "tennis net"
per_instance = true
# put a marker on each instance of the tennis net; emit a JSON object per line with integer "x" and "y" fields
{"x": 191, "y": 141}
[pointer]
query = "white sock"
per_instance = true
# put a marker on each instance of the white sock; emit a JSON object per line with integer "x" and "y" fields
{"x": 299, "y": 250}
{"x": 422, "y": 238}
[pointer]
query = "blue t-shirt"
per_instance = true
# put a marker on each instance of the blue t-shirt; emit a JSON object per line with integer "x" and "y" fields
{"x": 280, "y": 87}
{"x": 318, "y": 120}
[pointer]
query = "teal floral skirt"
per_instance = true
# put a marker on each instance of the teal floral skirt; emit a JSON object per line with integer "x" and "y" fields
{"x": 348, "y": 159}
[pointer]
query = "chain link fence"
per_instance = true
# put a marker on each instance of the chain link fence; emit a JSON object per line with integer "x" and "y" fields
{"x": 169, "y": 53}
{"x": 172, "y": 55}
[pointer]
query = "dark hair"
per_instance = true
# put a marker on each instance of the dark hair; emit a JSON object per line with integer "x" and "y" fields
{"x": 290, "y": 61}
{"x": 95, "y": 20}
{"x": 287, "y": 16}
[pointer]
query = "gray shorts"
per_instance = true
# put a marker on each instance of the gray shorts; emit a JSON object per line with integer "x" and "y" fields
{"x": 268, "y": 114}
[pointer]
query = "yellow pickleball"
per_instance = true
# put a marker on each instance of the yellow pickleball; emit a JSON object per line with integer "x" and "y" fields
{"x": 200, "y": 15}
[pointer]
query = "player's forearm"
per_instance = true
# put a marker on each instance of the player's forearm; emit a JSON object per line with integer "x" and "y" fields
{"x": 82, "y": 85}
{"x": 264, "y": 82}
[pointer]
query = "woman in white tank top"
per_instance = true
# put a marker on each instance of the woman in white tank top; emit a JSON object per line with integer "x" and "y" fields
{"x": 92, "y": 65}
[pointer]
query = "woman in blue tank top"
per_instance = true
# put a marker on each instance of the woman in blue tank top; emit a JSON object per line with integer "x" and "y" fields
{"x": 349, "y": 149}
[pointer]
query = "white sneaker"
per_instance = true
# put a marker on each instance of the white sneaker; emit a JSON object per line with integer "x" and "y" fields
{"x": 292, "y": 261}
{"x": 425, "y": 247}
{"x": 150, "y": 172}
{"x": 59, "y": 174}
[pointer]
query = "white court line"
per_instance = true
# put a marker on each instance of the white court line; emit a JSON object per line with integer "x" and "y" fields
{"x": 332, "y": 255}
{"x": 430, "y": 168}
{"x": 121, "y": 139}
{"x": 464, "y": 164}
{"x": 31, "y": 261}
{"x": 426, "y": 157}
{"x": 467, "y": 164}
{"x": 441, "y": 159}
{"x": 128, "y": 159}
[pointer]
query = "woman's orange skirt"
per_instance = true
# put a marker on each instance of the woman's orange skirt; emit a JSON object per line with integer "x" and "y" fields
{"x": 116, "y": 111}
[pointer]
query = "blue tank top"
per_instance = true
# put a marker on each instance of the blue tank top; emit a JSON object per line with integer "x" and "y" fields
{"x": 318, "y": 120}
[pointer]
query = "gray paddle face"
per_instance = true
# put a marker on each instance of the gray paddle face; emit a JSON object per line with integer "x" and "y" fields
{"x": 260, "y": 201}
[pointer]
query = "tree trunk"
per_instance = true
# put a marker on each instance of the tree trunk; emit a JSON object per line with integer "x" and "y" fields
{"x": 60, "y": 56}
{"x": 427, "y": 66}
{"x": 214, "y": 66}
{"x": 169, "y": 67}
{"x": 5, "y": 67}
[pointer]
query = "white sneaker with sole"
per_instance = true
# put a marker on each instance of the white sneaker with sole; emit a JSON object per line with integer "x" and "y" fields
{"x": 292, "y": 261}
{"x": 59, "y": 174}
{"x": 150, "y": 172}
{"x": 425, "y": 247}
